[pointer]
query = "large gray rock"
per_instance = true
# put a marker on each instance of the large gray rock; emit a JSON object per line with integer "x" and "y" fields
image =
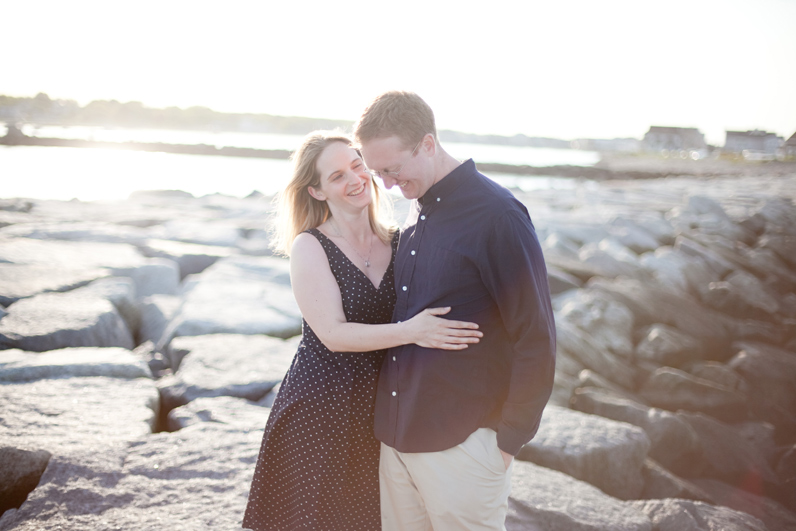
{"x": 724, "y": 454}
{"x": 156, "y": 312}
{"x": 220, "y": 233}
{"x": 784, "y": 245}
{"x": 71, "y": 255}
{"x": 151, "y": 275}
{"x": 155, "y": 276}
{"x": 605, "y": 453}
{"x": 610, "y": 259}
{"x": 659, "y": 483}
{"x": 191, "y": 258}
{"x": 57, "y": 320}
{"x": 671, "y": 438}
{"x": 260, "y": 287}
{"x": 651, "y": 304}
{"x": 561, "y": 281}
{"x": 609, "y": 323}
{"x": 236, "y": 412}
{"x": 196, "y": 478}
{"x": 119, "y": 291}
{"x": 741, "y": 295}
{"x": 673, "y": 389}
{"x": 20, "y": 366}
{"x": 633, "y": 236}
{"x": 225, "y": 365}
{"x": 591, "y": 355}
{"x": 79, "y": 231}
{"x": 770, "y": 373}
{"x": 667, "y": 346}
{"x": 720, "y": 374}
{"x": 675, "y": 270}
{"x": 20, "y": 471}
{"x": 688, "y": 515}
{"x": 63, "y": 415}
{"x": 543, "y": 499}
{"x": 19, "y": 281}
{"x": 690, "y": 246}
{"x": 772, "y": 514}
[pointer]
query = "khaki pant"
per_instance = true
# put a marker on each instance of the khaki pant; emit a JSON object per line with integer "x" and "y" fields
{"x": 462, "y": 488}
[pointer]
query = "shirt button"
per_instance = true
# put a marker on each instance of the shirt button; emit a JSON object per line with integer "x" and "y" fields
{"x": 393, "y": 358}
{"x": 423, "y": 217}
{"x": 394, "y": 393}
{"x": 412, "y": 253}
{"x": 403, "y": 288}
{"x": 438, "y": 200}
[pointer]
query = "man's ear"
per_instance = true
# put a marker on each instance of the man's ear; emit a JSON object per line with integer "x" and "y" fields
{"x": 317, "y": 194}
{"x": 429, "y": 144}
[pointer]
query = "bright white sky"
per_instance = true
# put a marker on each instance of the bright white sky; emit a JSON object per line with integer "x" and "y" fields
{"x": 565, "y": 69}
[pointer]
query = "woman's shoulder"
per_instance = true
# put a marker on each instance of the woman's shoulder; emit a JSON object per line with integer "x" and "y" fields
{"x": 307, "y": 244}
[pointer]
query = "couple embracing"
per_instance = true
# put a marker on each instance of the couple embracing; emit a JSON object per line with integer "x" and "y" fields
{"x": 427, "y": 354}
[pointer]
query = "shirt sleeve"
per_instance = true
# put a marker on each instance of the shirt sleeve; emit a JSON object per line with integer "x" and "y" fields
{"x": 514, "y": 272}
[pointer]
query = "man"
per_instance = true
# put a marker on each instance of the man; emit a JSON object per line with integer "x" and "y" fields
{"x": 451, "y": 422}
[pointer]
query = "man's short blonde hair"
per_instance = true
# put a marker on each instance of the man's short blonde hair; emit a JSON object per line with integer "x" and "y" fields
{"x": 396, "y": 113}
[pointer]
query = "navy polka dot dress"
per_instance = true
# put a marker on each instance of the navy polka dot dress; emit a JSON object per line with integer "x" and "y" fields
{"x": 318, "y": 466}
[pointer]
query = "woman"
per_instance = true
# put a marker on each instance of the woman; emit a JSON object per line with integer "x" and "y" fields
{"x": 318, "y": 464}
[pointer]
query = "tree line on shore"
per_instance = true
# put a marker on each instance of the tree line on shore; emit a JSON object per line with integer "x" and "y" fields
{"x": 43, "y": 110}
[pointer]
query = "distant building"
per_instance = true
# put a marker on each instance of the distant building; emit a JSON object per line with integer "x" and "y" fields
{"x": 674, "y": 139}
{"x": 789, "y": 147}
{"x": 756, "y": 141}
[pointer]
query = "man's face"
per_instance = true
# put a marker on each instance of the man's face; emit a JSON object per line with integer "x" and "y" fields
{"x": 413, "y": 166}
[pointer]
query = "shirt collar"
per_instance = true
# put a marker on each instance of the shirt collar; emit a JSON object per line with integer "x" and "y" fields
{"x": 445, "y": 186}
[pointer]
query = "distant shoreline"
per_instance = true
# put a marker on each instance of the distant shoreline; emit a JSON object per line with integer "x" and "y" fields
{"x": 611, "y": 167}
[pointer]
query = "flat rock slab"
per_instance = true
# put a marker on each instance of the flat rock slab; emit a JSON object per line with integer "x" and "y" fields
{"x": 546, "y": 500}
{"x": 19, "y": 281}
{"x": 724, "y": 453}
{"x": 63, "y": 415}
{"x": 191, "y": 257}
{"x": 151, "y": 275}
{"x": 260, "y": 289}
{"x": 605, "y": 453}
{"x": 73, "y": 255}
{"x": 83, "y": 231}
{"x": 57, "y": 320}
{"x": 671, "y": 437}
{"x": 221, "y": 409}
{"x": 775, "y": 516}
{"x": 20, "y": 366}
{"x": 673, "y": 389}
{"x": 242, "y": 366}
{"x": 196, "y": 478}
{"x": 687, "y": 515}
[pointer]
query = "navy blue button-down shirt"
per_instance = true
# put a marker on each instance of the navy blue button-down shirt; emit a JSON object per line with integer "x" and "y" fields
{"x": 469, "y": 244}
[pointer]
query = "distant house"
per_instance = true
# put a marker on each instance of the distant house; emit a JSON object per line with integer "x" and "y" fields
{"x": 755, "y": 141}
{"x": 674, "y": 139}
{"x": 789, "y": 147}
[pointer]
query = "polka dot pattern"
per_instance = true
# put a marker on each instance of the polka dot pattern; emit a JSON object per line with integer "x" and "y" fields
{"x": 318, "y": 463}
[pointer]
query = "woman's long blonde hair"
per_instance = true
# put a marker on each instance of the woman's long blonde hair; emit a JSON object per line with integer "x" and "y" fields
{"x": 299, "y": 211}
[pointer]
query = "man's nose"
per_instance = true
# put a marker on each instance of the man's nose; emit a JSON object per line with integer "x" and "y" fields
{"x": 389, "y": 182}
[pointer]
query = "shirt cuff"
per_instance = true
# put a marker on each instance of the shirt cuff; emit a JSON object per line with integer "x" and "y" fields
{"x": 510, "y": 441}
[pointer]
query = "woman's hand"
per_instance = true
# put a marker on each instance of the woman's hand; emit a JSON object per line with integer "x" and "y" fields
{"x": 429, "y": 331}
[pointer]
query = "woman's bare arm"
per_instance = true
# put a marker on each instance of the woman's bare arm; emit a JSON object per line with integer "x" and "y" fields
{"x": 318, "y": 297}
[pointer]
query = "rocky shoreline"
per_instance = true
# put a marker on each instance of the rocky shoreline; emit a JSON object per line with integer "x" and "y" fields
{"x": 142, "y": 341}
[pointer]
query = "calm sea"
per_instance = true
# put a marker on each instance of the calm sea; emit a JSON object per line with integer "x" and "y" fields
{"x": 100, "y": 174}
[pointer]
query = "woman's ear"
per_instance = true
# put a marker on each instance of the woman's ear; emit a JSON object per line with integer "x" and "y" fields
{"x": 317, "y": 194}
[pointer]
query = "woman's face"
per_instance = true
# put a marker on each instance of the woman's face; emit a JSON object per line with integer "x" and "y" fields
{"x": 344, "y": 181}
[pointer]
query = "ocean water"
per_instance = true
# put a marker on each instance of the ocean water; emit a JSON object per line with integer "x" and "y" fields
{"x": 108, "y": 174}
